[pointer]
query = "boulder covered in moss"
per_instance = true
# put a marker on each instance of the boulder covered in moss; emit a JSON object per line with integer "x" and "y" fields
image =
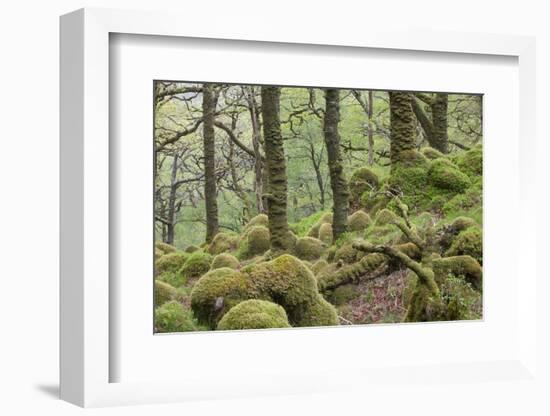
{"x": 461, "y": 223}
{"x": 362, "y": 180}
{"x": 223, "y": 242}
{"x": 171, "y": 262}
{"x": 164, "y": 247}
{"x": 358, "y": 221}
{"x": 309, "y": 248}
{"x": 443, "y": 174}
{"x": 224, "y": 260}
{"x": 326, "y": 218}
{"x": 254, "y": 314}
{"x": 173, "y": 317}
{"x": 347, "y": 254}
{"x": 284, "y": 280}
{"x": 260, "y": 219}
{"x": 471, "y": 161}
{"x": 465, "y": 267}
{"x": 254, "y": 241}
{"x": 191, "y": 248}
{"x": 325, "y": 233}
{"x": 343, "y": 294}
{"x": 468, "y": 201}
{"x": 468, "y": 242}
{"x": 385, "y": 217}
{"x": 163, "y": 292}
{"x": 431, "y": 153}
{"x": 196, "y": 264}
{"x": 158, "y": 254}
{"x": 409, "y": 176}
{"x": 318, "y": 266}
{"x": 218, "y": 291}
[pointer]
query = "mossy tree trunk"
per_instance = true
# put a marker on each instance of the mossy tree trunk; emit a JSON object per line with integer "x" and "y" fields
{"x": 170, "y": 221}
{"x": 209, "y": 101}
{"x": 338, "y": 183}
{"x": 434, "y": 125}
{"x": 276, "y": 169}
{"x": 256, "y": 144}
{"x": 402, "y": 132}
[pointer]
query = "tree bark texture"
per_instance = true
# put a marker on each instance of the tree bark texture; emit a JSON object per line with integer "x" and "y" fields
{"x": 435, "y": 127}
{"x": 276, "y": 168}
{"x": 338, "y": 183}
{"x": 209, "y": 101}
{"x": 401, "y": 124}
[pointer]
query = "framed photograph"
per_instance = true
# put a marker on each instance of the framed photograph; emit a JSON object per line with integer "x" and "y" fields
{"x": 287, "y": 213}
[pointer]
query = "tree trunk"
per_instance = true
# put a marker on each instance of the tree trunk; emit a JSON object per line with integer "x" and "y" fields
{"x": 338, "y": 183}
{"x": 209, "y": 101}
{"x": 171, "y": 219}
{"x": 370, "y": 106}
{"x": 435, "y": 127}
{"x": 256, "y": 142}
{"x": 276, "y": 167}
{"x": 401, "y": 124}
{"x": 439, "y": 118}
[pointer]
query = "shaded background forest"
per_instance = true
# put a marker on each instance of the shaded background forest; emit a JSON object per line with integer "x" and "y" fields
{"x": 365, "y": 141}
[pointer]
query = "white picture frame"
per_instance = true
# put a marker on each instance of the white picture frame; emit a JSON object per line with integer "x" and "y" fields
{"x": 86, "y": 356}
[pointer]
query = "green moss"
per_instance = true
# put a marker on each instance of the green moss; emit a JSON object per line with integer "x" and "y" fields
{"x": 343, "y": 294}
{"x": 216, "y": 292}
{"x": 325, "y": 233}
{"x": 260, "y": 219}
{"x": 385, "y": 217}
{"x": 318, "y": 266}
{"x": 412, "y": 159}
{"x": 223, "y": 242}
{"x": 468, "y": 242}
{"x": 362, "y": 180}
{"x": 444, "y": 175}
{"x": 462, "y": 300}
{"x": 471, "y": 161}
{"x": 358, "y": 221}
{"x": 431, "y": 153}
{"x": 165, "y": 248}
{"x": 191, "y": 248}
{"x": 171, "y": 262}
{"x": 255, "y": 241}
{"x": 163, "y": 292}
{"x": 158, "y": 254}
{"x": 382, "y": 234}
{"x": 465, "y": 267}
{"x": 347, "y": 254}
{"x": 319, "y": 313}
{"x": 325, "y": 218}
{"x": 254, "y": 314}
{"x": 471, "y": 199}
{"x": 196, "y": 264}
{"x": 172, "y": 317}
{"x": 461, "y": 223}
{"x": 224, "y": 260}
{"x": 309, "y": 248}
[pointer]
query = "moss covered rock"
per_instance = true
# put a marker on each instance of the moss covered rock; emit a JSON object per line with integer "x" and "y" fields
{"x": 362, "y": 180}
{"x": 326, "y": 218}
{"x": 254, "y": 314}
{"x": 385, "y": 217}
{"x": 325, "y": 233}
{"x": 471, "y": 161}
{"x": 196, "y": 264}
{"x": 172, "y": 317}
{"x": 223, "y": 242}
{"x": 218, "y": 291}
{"x": 443, "y": 174}
{"x": 171, "y": 262}
{"x": 358, "y": 221}
{"x": 468, "y": 242}
{"x": 347, "y": 254}
{"x": 468, "y": 201}
{"x": 461, "y": 223}
{"x": 343, "y": 294}
{"x": 318, "y": 266}
{"x": 309, "y": 248}
{"x": 319, "y": 313}
{"x": 163, "y": 292}
{"x": 164, "y": 247}
{"x": 465, "y": 267}
{"x": 224, "y": 260}
{"x": 255, "y": 241}
{"x": 191, "y": 248}
{"x": 158, "y": 254}
{"x": 260, "y": 219}
{"x": 431, "y": 153}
